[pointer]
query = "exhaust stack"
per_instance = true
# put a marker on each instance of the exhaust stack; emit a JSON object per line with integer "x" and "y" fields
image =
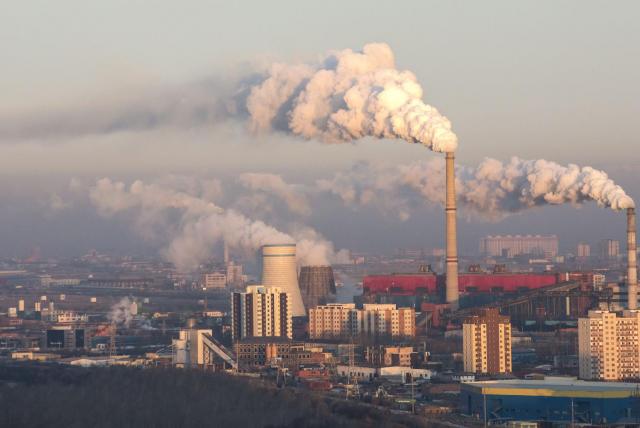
{"x": 452, "y": 247}
{"x": 632, "y": 268}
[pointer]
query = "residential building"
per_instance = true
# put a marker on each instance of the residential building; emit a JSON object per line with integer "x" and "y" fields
{"x": 486, "y": 339}
{"x": 583, "y": 250}
{"x": 334, "y": 320}
{"x": 515, "y": 245}
{"x": 609, "y": 249}
{"x": 387, "y": 320}
{"x": 339, "y": 320}
{"x": 261, "y": 312}
{"x": 609, "y": 345}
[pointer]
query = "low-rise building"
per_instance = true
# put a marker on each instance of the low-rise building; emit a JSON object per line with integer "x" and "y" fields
{"x": 379, "y": 356}
{"x": 552, "y": 400}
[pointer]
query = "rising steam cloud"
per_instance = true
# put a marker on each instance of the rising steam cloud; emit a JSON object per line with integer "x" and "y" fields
{"x": 345, "y": 96}
{"x": 275, "y": 185}
{"x": 201, "y": 224}
{"x": 493, "y": 189}
{"x": 123, "y": 312}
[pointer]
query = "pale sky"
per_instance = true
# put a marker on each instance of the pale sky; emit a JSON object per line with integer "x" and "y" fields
{"x": 536, "y": 79}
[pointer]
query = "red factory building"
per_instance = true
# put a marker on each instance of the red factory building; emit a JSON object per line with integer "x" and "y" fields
{"x": 475, "y": 282}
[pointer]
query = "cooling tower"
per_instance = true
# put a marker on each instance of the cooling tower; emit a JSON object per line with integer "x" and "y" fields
{"x": 317, "y": 285}
{"x": 632, "y": 264}
{"x": 279, "y": 270}
{"x": 452, "y": 249}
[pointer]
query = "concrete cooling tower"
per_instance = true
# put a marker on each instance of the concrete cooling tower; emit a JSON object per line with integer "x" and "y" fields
{"x": 279, "y": 269}
{"x": 317, "y": 285}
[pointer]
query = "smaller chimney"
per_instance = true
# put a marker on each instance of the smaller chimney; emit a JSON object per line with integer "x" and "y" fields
{"x": 632, "y": 264}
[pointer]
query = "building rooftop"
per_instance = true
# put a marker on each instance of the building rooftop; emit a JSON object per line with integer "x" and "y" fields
{"x": 555, "y": 387}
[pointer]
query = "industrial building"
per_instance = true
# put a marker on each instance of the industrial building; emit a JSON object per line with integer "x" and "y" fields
{"x": 317, "y": 285}
{"x": 609, "y": 345}
{"x": 214, "y": 280}
{"x": 261, "y": 312}
{"x": 264, "y": 351}
{"x": 486, "y": 342}
{"x": 197, "y": 348}
{"x": 379, "y": 356}
{"x": 552, "y": 400}
{"x": 66, "y": 337}
{"x": 428, "y": 283}
{"x": 279, "y": 269}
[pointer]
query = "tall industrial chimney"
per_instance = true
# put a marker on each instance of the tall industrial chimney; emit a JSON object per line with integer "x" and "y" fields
{"x": 632, "y": 268}
{"x": 452, "y": 247}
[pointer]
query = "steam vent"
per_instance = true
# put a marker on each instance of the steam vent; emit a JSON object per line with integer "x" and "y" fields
{"x": 317, "y": 285}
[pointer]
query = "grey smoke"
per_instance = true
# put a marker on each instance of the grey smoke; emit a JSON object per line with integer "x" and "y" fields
{"x": 493, "y": 189}
{"x": 345, "y": 96}
{"x": 123, "y": 312}
{"x": 199, "y": 225}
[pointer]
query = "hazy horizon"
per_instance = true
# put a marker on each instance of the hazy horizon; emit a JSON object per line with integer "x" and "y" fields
{"x": 94, "y": 91}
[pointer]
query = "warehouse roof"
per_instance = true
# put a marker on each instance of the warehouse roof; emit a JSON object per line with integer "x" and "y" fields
{"x": 554, "y": 387}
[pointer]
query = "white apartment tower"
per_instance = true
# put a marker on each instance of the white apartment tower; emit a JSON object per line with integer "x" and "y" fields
{"x": 261, "y": 312}
{"x": 609, "y": 345}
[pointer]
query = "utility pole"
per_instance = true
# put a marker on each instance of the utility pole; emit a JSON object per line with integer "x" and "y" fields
{"x": 572, "y": 415}
{"x": 484, "y": 406}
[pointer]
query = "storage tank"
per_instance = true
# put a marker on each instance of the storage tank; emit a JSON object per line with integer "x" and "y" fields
{"x": 317, "y": 285}
{"x": 279, "y": 269}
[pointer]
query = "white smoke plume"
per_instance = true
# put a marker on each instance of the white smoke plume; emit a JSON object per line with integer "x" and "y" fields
{"x": 345, "y": 96}
{"x": 493, "y": 189}
{"x": 274, "y": 184}
{"x": 123, "y": 312}
{"x": 200, "y": 224}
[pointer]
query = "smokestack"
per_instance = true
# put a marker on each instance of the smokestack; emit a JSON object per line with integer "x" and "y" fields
{"x": 225, "y": 250}
{"x": 452, "y": 247}
{"x": 632, "y": 268}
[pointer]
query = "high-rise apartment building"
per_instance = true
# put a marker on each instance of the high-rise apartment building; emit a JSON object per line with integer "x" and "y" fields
{"x": 261, "y": 312}
{"x": 609, "y": 249}
{"x": 486, "y": 339}
{"x": 344, "y": 320}
{"x": 609, "y": 345}
{"x": 583, "y": 250}
{"x": 387, "y": 320}
{"x": 334, "y": 320}
{"x": 515, "y": 245}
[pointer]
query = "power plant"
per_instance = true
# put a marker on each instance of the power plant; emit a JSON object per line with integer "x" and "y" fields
{"x": 632, "y": 265}
{"x": 451, "y": 233}
{"x": 317, "y": 285}
{"x": 279, "y": 269}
